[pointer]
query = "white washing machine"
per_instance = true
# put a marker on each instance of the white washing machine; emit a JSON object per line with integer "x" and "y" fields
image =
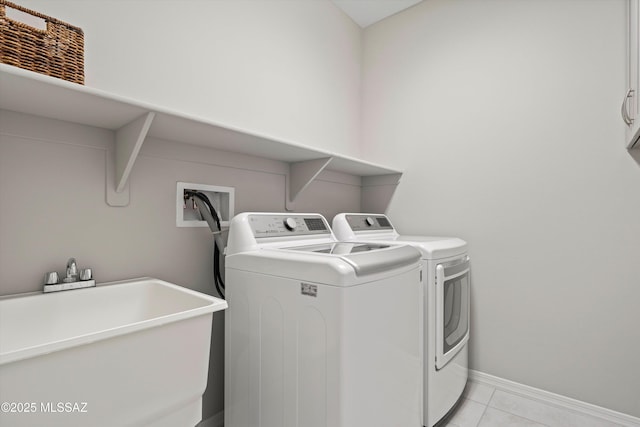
{"x": 320, "y": 333}
{"x": 447, "y": 302}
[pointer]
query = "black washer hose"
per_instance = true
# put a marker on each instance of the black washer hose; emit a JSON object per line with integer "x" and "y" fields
{"x": 217, "y": 277}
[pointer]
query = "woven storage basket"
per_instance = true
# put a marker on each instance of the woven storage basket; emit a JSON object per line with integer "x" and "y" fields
{"x": 57, "y": 51}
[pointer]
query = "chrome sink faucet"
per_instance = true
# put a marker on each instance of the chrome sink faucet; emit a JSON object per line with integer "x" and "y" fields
{"x": 74, "y": 278}
{"x": 72, "y": 271}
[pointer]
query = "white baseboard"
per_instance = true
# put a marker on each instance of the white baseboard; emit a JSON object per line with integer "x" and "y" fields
{"x": 554, "y": 399}
{"x": 216, "y": 421}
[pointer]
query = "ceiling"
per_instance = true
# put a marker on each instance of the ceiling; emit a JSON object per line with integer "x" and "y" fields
{"x": 367, "y": 12}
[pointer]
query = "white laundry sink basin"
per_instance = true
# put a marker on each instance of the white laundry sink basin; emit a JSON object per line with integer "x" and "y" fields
{"x": 126, "y": 353}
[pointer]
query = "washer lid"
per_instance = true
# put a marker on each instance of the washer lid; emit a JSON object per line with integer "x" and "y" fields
{"x": 365, "y": 258}
{"x": 311, "y": 264}
{"x": 339, "y": 248}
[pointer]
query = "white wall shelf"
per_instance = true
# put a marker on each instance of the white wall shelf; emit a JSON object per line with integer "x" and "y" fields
{"x": 133, "y": 121}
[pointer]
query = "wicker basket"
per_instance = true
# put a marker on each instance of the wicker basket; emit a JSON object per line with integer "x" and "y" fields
{"x": 57, "y": 51}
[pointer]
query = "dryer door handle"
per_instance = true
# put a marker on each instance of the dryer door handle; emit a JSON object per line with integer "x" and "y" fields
{"x": 455, "y": 270}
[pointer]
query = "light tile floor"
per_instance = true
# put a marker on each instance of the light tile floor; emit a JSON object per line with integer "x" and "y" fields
{"x": 485, "y": 406}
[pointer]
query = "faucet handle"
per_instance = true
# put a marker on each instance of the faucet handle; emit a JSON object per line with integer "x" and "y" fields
{"x": 86, "y": 274}
{"x": 51, "y": 278}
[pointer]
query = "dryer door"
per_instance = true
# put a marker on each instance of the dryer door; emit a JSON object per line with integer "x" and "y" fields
{"x": 452, "y": 309}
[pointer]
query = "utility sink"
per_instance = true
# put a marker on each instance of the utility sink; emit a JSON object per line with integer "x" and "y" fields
{"x": 130, "y": 353}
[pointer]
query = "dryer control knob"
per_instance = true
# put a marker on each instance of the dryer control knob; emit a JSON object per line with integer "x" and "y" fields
{"x": 290, "y": 224}
{"x": 369, "y": 221}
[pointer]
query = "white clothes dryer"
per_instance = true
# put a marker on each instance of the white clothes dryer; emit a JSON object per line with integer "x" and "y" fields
{"x": 320, "y": 333}
{"x": 446, "y": 305}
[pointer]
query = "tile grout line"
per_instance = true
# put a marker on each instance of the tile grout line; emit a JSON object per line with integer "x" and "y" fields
{"x": 505, "y": 411}
{"x": 551, "y": 405}
{"x": 486, "y": 406}
{"x": 482, "y": 416}
{"x": 520, "y": 416}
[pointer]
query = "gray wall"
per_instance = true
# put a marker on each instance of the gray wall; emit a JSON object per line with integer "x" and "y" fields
{"x": 505, "y": 116}
{"x": 52, "y": 206}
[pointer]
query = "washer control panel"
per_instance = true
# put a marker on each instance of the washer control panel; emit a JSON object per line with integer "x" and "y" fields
{"x": 287, "y": 225}
{"x": 368, "y": 222}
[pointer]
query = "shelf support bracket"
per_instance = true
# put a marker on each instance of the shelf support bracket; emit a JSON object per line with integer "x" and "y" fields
{"x": 377, "y": 192}
{"x": 300, "y": 175}
{"x": 128, "y": 141}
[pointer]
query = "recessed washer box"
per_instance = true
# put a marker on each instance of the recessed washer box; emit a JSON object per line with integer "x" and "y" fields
{"x": 222, "y": 199}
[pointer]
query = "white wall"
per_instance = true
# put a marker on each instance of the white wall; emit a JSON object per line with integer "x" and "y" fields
{"x": 505, "y": 116}
{"x": 289, "y": 69}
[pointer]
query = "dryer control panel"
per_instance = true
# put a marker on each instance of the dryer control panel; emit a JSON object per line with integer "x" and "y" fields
{"x": 270, "y": 225}
{"x": 368, "y": 222}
